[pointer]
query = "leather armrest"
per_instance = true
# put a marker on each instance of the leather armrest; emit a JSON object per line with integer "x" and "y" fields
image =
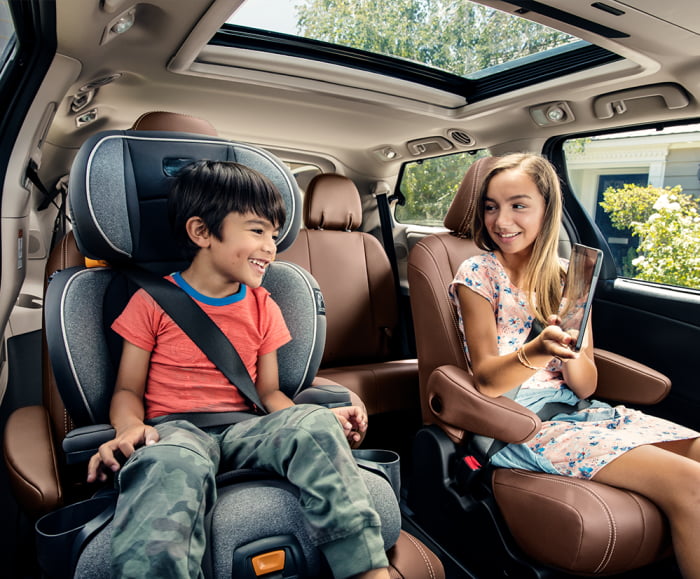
{"x": 624, "y": 380}
{"x": 455, "y": 401}
{"x": 31, "y": 460}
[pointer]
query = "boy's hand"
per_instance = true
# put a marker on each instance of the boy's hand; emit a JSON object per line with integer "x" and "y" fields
{"x": 122, "y": 445}
{"x": 354, "y": 422}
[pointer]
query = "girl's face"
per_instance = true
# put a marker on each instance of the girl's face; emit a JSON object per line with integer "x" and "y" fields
{"x": 513, "y": 211}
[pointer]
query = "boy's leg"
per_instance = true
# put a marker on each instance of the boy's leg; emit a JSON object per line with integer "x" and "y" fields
{"x": 306, "y": 445}
{"x": 165, "y": 491}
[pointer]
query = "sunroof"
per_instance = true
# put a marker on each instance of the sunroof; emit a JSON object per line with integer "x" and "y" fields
{"x": 454, "y": 45}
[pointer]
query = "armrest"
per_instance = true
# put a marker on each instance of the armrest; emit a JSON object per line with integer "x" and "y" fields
{"x": 31, "y": 460}
{"x": 455, "y": 401}
{"x": 81, "y": 443}
{"x": 624, "y": 380}
{"x": 326, "y": 393}
{"x": 331, "y": 394}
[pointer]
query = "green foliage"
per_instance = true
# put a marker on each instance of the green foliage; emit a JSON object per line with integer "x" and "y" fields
{"x": 453, "y": 35}
{"x": 459, "y": 37}
{"x": 429, "y": 187}
{"x": 667, "y": 223}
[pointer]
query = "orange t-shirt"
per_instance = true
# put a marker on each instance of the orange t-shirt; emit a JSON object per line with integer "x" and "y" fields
{"x": 180, "y": 377}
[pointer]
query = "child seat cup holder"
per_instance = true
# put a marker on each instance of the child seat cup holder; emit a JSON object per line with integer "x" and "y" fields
{"x": 63, "y": 533}
{"x": 386, "y": 463}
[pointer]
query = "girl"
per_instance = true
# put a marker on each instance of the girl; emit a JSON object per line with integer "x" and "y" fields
{"x": 516, "y": 285}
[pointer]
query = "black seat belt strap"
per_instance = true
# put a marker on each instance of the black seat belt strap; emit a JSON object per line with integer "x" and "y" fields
{"x": 381, "y": 194}
{"x": 383, "y": 206}
{"x": 200, "y": 328}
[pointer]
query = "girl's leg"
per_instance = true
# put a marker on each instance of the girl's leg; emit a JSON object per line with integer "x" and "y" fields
{"x": 164, "y": 492}
{"x": 689, "y": 447}
{"x": 672, "y": 481}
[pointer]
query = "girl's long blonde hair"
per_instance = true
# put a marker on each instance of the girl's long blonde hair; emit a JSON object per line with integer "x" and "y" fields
{"x": 543, "y": 280}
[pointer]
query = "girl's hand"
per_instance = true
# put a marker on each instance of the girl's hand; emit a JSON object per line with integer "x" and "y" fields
{"x": 354, "y": 422}
{"x": 555, "y": 341}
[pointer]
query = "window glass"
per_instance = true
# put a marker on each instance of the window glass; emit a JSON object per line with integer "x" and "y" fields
{"x": 457, "y": 46}
{"x": 429, "y": 185}
{"x": 7, "y": 34}
{"x": 642, "y": 189}
{"x": 460, "y": 37}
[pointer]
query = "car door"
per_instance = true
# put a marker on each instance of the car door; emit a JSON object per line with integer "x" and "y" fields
{"x": 27, "y": 47}
{"x": 636, "y": 195}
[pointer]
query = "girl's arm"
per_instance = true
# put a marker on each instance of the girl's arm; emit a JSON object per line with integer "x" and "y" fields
{"x": 126, "y": 413}
{"x": 494, "y": 374}
{"x": 580, "y": 374}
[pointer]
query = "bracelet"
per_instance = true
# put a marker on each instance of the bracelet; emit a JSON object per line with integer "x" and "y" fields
{"x": 522, "y": 358}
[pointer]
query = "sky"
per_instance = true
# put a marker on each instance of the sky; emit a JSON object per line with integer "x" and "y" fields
{"x": 277, "y": 15}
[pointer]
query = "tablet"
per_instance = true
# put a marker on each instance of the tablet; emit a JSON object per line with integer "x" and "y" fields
{"x": 579, "y": 287}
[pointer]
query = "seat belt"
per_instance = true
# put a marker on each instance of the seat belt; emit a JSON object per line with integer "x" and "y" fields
{"x": 200, "y": 328}
{"x": 381, "y": 194}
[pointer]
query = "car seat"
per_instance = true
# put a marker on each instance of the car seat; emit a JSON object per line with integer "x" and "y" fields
{"x": 118, "y": 187}
{"x": 41, "y": 480}
{"x": 529, "y": 522}
{"x": 363, "y": 341}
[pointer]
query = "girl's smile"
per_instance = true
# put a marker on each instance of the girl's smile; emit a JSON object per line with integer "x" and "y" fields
{"x": 513, "y": 211}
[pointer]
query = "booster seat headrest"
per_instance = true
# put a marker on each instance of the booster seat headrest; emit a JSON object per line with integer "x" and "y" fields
{"x": 120, "y": 182}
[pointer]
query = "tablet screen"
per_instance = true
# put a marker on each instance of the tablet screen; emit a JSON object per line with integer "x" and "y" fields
{"x": 577, "y": 298}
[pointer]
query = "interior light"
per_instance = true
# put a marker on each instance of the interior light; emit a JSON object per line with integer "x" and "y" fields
{"x": 556, "y": 114}
{"x": 86, "y": 118}
{"x": 124, "y": 22}
{"x": 389, "y": 153}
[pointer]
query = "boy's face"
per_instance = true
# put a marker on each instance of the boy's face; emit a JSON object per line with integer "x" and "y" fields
{"x": 245, "y": 250}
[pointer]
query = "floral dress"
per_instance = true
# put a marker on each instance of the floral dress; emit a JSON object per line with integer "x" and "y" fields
{"x": 578, "y": 444}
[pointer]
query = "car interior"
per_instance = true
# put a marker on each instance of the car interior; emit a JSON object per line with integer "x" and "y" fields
{"x": 378, "y": 122}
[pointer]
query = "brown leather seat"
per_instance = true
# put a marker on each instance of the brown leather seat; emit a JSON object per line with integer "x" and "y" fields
{"x": 579, "y": 526}
{"x": 362, "y": 337}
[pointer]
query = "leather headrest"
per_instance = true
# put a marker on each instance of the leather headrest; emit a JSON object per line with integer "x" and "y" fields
{"x": 332, "y": 202}
{"x": 459, "y": 215}
{"x": 120, "y": 182}
{"x": 176, "y": 122}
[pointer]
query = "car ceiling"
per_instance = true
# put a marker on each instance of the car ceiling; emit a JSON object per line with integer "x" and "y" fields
{"x": 163, "y": 63}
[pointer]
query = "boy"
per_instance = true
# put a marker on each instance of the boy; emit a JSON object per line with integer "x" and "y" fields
{"x": 226, "y": 216}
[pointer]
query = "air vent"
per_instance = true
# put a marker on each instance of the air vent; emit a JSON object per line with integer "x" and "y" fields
{"x": 460, "y": 137}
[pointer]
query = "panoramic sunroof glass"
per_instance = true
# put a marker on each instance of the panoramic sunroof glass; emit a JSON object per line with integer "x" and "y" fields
{"x": 458, "y": 37}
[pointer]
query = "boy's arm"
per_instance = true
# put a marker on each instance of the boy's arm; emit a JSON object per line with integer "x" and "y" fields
{"x": 268, "y": 384}
{"x": 352, "y": 418}
{"x": 126, "y": 414}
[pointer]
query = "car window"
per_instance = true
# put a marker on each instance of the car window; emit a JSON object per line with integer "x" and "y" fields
{"x": 429, "y": 185}
{"x": 462, "y": 47}
{"x": 7, "y": 35}
{"x": 642, "y": 189}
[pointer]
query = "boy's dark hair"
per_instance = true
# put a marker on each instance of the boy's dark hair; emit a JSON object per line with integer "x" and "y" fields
{"x": 211, "y": 190}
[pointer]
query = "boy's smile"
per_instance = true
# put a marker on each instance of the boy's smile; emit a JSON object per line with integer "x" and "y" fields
{"x": 241, "y": 256}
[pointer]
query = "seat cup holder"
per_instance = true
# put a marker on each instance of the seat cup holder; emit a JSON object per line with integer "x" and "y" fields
{"x": 387, "y": 463}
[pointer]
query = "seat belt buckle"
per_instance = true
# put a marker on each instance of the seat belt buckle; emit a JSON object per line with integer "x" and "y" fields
{"x": 467, "y": 471}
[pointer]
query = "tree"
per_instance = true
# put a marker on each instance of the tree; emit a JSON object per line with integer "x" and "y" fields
{"x": 430, "y": 185}
{"x": 459, "y": 37}
{"x": 667, "y": 222}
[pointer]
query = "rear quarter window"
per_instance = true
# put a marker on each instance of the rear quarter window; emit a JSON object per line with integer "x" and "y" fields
{"x": 429, "y": 185}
